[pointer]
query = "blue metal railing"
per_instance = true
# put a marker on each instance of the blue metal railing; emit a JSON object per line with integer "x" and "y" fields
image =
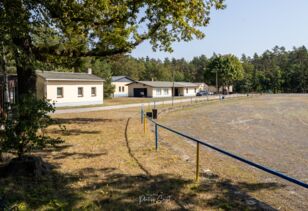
{"x": 256, "y": 165}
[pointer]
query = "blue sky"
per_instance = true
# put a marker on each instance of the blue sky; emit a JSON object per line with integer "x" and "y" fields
{"x": 245, "y": 26}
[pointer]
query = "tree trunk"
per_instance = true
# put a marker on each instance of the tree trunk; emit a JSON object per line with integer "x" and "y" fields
{"x": 26, "y": 80}
{"x": 22, "y": 45}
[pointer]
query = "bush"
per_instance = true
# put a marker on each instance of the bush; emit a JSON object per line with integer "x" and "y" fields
{"x": 23, "y": 129}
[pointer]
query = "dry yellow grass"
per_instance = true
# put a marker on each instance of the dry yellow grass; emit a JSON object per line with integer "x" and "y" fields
{"x": 107, "y": 162}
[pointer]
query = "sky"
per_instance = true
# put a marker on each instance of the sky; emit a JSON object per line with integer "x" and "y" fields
{"x": 245, "y": 26}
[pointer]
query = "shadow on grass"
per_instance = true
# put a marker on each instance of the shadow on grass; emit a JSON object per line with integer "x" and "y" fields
{"x": 118, "y": 191}
{"x": 77, "y": 155}
{"x": 130, "y": 150}
{"x": 73, "y": 132}
{"x": 82, "y": 120}
{"x": 111, "y": 189}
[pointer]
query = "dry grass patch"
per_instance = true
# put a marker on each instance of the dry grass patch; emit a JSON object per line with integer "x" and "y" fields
{"x": 107, "y": 162}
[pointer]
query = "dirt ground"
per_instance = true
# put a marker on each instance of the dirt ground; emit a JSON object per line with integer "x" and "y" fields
{"x": 270, "y": 130}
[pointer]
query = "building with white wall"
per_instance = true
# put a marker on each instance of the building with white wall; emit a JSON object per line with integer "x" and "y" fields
{"x": 120, "y": 85}
{"x": 158, "y": 89}
{"x": 69, "y": 89}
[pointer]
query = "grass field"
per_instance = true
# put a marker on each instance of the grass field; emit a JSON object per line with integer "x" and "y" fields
{"x": 107, "y": 162}
{"x": 270, "y": 130}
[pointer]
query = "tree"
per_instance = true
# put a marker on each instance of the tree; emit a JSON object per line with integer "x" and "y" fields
{"x": 228, "y": 69}
{"x": 199, "y": 65}
{"x": 91, "y": 28}
{"x": 22, "y": 135}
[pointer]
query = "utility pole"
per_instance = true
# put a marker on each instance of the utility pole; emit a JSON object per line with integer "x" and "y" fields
{"x": 172, "y": 93}
{"x": 217, "y": 89}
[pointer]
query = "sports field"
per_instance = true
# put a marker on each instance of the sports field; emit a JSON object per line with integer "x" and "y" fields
{"x": 271, "y": 130}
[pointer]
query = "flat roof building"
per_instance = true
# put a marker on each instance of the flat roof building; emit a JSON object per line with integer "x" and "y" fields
{"x": 158, "y": 89}
{"x": 70, "y": 89}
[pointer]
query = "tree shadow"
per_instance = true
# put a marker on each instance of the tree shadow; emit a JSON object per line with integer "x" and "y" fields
{"x": 82, "y": 120}
{"x": 74, "y": 132}
{"x": 78, "y": 155}
{"x": 130, "y": 150}
{"x": 110, "y": 189}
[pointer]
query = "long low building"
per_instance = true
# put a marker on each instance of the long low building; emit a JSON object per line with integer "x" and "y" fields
{"x": 69, "y": 89}
{"x": 157, "y": 89}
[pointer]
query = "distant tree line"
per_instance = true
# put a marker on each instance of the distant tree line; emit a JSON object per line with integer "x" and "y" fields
{"x": 276, "y": 70}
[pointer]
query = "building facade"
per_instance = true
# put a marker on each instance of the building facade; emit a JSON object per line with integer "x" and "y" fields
{"x": 120, "y": 85}
{"x": 157, "y": 89}
{"x": 70, "y": 89}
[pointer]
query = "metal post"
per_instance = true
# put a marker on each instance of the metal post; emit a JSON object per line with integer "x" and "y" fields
{"x": 172, "y": 86}
{"x": 156, "y": 137}
{"x": 142, "y": 114}
{"x": 217, "y": 88}
{"x": 144, "y": 124}
{"x": 197, "y": 162}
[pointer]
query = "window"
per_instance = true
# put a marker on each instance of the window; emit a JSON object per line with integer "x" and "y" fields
{"x": 80, "y": 92}
{"x": 119, "y": 89}
{"x": 158, "y": 91}
{"x": 186, "y": 90}
{"x": 166, "y": 91}
{"x": 93, "y": 91}
{"x": 59, "y": 92}
{"x": 122, "y": 88}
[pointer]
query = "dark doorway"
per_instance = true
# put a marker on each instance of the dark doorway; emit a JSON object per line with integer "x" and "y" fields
{"x": 176, "y": 92}
{"x": 140, "y": 92}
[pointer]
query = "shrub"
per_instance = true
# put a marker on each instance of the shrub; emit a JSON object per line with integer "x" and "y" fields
{"x": 24, "y": 127}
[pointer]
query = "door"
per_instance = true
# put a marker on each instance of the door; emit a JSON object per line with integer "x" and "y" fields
{"x": 140, "y": 92}
{"x": 176, "y": 92}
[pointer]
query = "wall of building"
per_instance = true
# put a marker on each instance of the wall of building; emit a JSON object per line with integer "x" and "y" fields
{"x": 132, "y": 86}
{"x": 188, "y": 92}
{"x": 117, "y": 92}
{"x": 162, "y": 92}
{"x": 70, "y": 93}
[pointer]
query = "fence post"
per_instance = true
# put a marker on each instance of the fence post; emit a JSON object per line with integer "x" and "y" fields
{"x": 142, "y": 114}
{"x": 144, "y": 124}
{"x": 197, "y": 162}
{"x": 156, "y": 136}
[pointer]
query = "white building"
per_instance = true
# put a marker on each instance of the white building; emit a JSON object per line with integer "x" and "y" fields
{"x": 158, "y": 89}
{"x": 69, "y": 89}
{"x": 120, "y": 85}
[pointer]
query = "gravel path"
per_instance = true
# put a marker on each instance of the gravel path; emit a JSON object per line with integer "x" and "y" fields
{"x": 103, "y": 108}
{"x": 270, "y": 130}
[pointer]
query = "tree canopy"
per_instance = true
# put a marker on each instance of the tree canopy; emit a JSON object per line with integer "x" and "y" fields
{"x": 61, "y": 31}
{"x": 228, "y": 69}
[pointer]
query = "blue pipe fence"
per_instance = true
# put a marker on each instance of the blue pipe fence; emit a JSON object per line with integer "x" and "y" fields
{"x": 200, "y": 142}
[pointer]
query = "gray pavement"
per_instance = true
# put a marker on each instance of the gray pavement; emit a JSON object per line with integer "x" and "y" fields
{"x": 104, "y": 108}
